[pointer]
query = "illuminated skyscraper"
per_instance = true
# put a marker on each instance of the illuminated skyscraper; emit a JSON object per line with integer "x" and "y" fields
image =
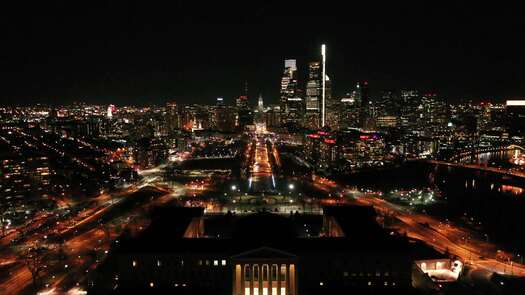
{"x": 313, "y": 86}
{"x": 410, "y": 101}
{"x": 172, "y": 118}
{"x": 349, "y": 111}
{"x": 331, "y": 106}
{"x": 366, "y": 113}
{"x": 433, "y": 110}
{"x": 242, "y": 100}
{"x": 516, "y": 115}
{"x": 291, "y": 103}
{"x": 313, "y": 96}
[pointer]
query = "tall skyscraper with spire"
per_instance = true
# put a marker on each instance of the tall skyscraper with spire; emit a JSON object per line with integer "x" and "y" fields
{"x": 323, "y": 105}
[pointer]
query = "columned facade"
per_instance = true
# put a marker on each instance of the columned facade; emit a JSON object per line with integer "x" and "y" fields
{"x": 258, "y": 273}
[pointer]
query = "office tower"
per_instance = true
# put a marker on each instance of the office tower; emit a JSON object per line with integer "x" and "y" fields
{"x": 366, "y": 112}
{"x": 349, "y": 108}
{"x": 331, "y": 106}
{"x": 172, "y": 116}
{"x": 433, "y": 110}
{"x": 242, "y": 101}
{"x": 313, "y": 87}
{"x": 313, "y": 96}
{"x": 516, "y": 117}
{"x": 387, "y": 109}
{"x": 224, "y": 118}
{"x": 388, "y": 103}
{"x": 273, "y": 116}
{"x": 291, "y": 104}
{"x": 410, "y": 101}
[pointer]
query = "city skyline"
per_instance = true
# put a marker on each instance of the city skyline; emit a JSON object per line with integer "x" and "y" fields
{"x": 259, "y": 148}
{"x": 132, "y": 54}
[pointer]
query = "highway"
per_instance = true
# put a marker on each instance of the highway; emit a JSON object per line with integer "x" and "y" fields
{"x": 446, "y": 237}
{"x": 86, "y": 238}
{"x": 261, "y": 174}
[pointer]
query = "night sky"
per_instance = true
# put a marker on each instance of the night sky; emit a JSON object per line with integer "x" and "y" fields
{"x": 132, "y": 52}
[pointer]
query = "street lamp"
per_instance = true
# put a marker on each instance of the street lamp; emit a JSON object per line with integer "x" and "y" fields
{"x": 291, "y": 186}
{"x": 234, "y": 187}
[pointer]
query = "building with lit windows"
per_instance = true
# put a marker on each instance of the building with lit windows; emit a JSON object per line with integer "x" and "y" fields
{"x": 331, "y": 106}
{"x": 186, "y": 252}
{"x": 410, "y": 101}
{"x": 366, "y": 113}
{"x": 516, "y": 115}
{"x": 313, "y": 96}
{"x": 349, "y": 108}
{"x": 292, "y": 105}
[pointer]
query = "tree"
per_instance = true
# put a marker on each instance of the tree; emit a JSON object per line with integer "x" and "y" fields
{"x": 34, "y": 258}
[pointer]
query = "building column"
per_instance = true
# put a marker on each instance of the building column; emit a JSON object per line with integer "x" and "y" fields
{"x": 288, "y": 280}
{"x": 260, "y": 279}
{"x": 293, "y": 280}
{"x": 270, "y": 280}
{"x": 279, "y": 279}
{"x": 251, "y": 279}
{"x": 242, "y": 278}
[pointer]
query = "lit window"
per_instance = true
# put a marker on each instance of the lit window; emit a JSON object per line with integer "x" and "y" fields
{"x": 283, "y": 291}
{"x": 134, "y": 263}
{"x": 159, "y": 263}
{"x": 207, "y": 262}
{"x": 215, "y": 262}
{"x": 223, "y": 262}
{"x": 369, "y": 283}
{"x": 151, "y": 284}
{"x": 345, "y": 273}
{"x": 200, "y": 262}
{"x": 246, "y": 291}
{"x": 256, "y": 291}
{"x": 321, "y": 284}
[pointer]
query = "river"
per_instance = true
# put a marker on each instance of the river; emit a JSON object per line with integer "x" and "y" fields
{"x": 489, "y": 202}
